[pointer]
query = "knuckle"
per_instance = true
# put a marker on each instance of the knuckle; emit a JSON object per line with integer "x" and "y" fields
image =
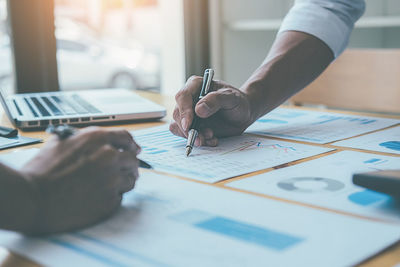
{"x": 123, "y": 134}
{"x": 179, "y": 95}
{"x": 227, "y": 91}
{"x": 212, "y": 97}
{"x": 108, "y": 150}
{"x": 195, "y": 78}
{"x": 185, "y": 112}
{"x": 176, "y": 114}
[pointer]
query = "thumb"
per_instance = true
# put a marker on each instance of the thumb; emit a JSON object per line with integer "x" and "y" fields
{"x": 215, "y": 101}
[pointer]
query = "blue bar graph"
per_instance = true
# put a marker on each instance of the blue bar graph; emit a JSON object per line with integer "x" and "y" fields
{"x": 393, "y": 145}
{"x": 239, "y": 230}
{"x": 368, "y": 197}
{"x": 372, "y": 160}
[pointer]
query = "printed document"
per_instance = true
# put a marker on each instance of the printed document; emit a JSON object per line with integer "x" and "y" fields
{"x": 383, "y": 141}
{"x": 327, "y": 182}
{"x": 232, "y": 157}
{"x": 314, "y": 126}
{"x": 6, "y": 141}
{"x": 166, "y": 221}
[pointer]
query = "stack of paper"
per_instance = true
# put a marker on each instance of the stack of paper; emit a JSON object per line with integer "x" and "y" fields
{"x": 170, "y": 222}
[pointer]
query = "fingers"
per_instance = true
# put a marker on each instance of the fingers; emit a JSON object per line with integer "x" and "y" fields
{"x": 176, "y": 130}
{"x": 91, "y": 138}
{"x": 205, "y": 138}
{"x": 129, "y": 173}
{"x": 184, "y": 102}
{"x": 222, "y": 99}
{"x": 103, "y": 158}
{"x": 122, "y": 139}
{"x": 117, "y": 169}
{"x": 209, "y": 137}
{"x": 177, "y": 117}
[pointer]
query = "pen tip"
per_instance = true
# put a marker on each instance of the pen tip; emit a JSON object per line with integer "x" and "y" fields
{"x": 188, "y": 151}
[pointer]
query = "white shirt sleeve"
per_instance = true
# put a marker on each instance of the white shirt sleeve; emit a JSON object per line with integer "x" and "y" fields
{"x": 332, "y": 21}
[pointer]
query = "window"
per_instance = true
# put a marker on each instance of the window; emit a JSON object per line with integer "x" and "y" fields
{"x": 111, "y": 44}
{"x": 6, "y": 66}
{"x": 136, "y": 44}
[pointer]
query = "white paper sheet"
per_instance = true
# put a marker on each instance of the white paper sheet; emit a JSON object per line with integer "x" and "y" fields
{"x": 170, "y": 222}
{"x": 316, "y": 127}
{"x": 7, "y": 141}
{"x": 327, "y": 182}
{"x": 18, "y": 158}
{"x": 382, "y": 141}
{"x": 232, "y": 157}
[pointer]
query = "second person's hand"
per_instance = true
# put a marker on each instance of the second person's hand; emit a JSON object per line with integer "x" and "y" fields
{"x": 225, "y": 111}
{"x": 79, "y": 181}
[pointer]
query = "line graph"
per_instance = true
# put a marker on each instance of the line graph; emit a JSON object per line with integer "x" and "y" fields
{"x": 232, "y": 157}
{"x": 253, "y": 145}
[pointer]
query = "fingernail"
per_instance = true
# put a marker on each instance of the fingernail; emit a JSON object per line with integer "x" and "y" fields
{"x": 184, "y": 124}
{"x": 204, "y": 110}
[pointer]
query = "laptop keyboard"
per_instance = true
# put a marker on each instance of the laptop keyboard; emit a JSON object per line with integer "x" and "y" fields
{"x": 52, "y": 107}
{"x": 61, "y": 105}
{"x": 31, "y": 108}
{"x": 64, "y": 106}
{"x": 40, "y": 107}
{"x": 84, "y": 104}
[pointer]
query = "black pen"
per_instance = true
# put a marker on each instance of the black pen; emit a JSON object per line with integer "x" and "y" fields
{"x": 64, "y": 131}
{"x": 194, "y": 128}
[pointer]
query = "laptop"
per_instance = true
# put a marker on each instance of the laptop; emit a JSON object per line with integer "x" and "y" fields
{"x": 38, "y": 110}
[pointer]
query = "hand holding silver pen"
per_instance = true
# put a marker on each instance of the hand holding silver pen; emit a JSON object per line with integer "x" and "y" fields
{"x": 224, "y": 111}
{"x": 194, "y": 128}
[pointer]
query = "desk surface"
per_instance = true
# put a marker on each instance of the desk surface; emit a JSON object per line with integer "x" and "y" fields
{"x": 388, "y": 258}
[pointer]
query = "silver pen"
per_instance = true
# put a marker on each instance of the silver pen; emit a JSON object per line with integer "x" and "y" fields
{"x": 194, "y": 128}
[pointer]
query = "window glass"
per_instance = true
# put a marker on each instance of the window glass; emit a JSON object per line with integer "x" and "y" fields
{"x": 6, "y": 65}
{"x": 108, "y": 43}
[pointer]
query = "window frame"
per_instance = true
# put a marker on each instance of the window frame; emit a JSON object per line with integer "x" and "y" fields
{"x": 35, "y": 65}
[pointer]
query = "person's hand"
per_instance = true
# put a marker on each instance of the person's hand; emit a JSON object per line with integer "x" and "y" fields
{"x": 80, "y": 181}
{"x": 225, "y": 111}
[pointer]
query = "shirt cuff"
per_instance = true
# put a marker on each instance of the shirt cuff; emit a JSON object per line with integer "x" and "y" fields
{"x": 319, "y": 22}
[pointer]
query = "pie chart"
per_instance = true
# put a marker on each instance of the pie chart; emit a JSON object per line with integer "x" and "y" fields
{"x": 310, "y": 184}
{"x": 392, "y": 145}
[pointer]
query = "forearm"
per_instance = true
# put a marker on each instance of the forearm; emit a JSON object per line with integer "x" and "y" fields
{"x": 17, "y": 204}
{"x": 294, "y": 61}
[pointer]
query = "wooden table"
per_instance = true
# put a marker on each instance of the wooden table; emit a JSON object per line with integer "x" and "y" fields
{"x": 387, "y": 258}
